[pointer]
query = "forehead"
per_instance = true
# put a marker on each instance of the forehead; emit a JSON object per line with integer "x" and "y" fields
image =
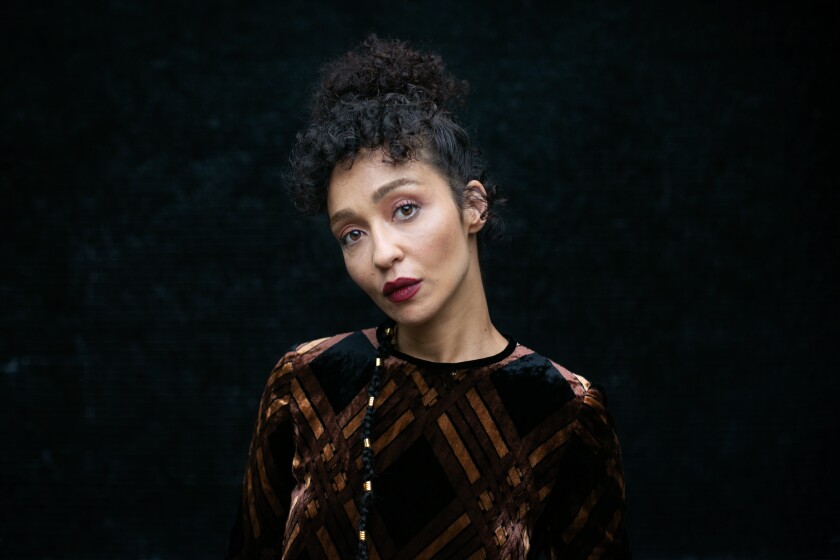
{"x": 356, "y": 181}
{"x": 365, "y": 166}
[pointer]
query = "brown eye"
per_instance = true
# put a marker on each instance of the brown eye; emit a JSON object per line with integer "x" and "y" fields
{"x": 350, "y": 237}
{"x": 405, "y": 211}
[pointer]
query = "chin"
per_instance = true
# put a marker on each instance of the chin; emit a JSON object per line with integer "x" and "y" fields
{"x": 404, "y": 315}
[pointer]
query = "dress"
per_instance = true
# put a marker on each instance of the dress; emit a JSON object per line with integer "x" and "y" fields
{"x": 510, "y": 456}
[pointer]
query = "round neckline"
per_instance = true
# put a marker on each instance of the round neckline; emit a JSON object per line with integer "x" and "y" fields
{"x": 468, "y": 364}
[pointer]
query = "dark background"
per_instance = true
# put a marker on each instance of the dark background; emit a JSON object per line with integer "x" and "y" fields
{"x": 673, "y": 194}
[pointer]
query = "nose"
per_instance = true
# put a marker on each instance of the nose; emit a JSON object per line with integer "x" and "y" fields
{"x": 386, "y": 248}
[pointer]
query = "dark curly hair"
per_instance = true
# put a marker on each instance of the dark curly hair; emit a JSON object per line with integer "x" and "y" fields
{"x": 386, "y": 95}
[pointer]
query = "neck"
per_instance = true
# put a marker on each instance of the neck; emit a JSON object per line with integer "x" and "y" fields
{"x": 459, "y": 333}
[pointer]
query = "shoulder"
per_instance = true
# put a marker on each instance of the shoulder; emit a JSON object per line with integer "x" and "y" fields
{"x": 534, "y": 388}
{"x": 336, "y": 367}
{"x": 525, "y": 366}
{"x": 348, "y": 345}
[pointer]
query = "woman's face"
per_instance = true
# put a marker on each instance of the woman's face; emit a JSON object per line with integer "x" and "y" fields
{"x": 405, "y": 241}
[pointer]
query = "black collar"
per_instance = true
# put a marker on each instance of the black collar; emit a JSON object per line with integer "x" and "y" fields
{"x": 449, "y": 366}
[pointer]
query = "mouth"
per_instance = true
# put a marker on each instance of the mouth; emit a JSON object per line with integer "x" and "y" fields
{"x": 401, "y": 289}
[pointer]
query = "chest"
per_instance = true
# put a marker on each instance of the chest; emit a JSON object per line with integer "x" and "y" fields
{"x": 453, "y": 476}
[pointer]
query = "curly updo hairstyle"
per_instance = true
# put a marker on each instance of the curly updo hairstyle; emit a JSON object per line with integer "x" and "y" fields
{"x": 386, "y": 95}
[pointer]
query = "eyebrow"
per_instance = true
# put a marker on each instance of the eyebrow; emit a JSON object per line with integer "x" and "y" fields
{"x": 376, "y": 197}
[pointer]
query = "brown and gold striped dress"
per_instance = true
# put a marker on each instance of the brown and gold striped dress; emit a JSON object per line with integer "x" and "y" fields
{"x": 510, "y": 456}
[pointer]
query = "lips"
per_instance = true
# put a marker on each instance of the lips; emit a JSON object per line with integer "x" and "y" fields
{"x": 401, "y": 289}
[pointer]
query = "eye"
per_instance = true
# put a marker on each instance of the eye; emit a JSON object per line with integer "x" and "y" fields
{"x": 350, "y": 237}
{"x": 406, "y": 211}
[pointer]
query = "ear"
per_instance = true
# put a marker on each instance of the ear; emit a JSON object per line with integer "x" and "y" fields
{"x": 475, "y": 206}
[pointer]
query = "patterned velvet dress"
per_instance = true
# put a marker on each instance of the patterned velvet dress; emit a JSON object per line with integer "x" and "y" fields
{"x": 510, "y": 456}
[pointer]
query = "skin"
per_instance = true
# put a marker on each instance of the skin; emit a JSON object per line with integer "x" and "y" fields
{"x": 400, "y": 220}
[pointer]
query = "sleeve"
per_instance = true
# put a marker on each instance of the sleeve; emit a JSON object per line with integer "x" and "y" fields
{"x": 585, "y": 514}
{"x": 258, "y": 530}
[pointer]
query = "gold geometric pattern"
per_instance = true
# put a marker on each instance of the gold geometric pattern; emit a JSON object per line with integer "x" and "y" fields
{"x": 512, "y": 458}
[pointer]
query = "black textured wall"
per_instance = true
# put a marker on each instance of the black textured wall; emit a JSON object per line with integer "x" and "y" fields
{"x": 672, "y": 208}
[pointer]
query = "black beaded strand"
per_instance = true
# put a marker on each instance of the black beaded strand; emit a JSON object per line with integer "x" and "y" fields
{"x": 368, "y": 472}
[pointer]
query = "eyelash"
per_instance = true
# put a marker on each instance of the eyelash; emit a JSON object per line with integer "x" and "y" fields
{"x": 407, "y": 204}
{"x": 343, "y": 239}
{"x": 402, "y": 204}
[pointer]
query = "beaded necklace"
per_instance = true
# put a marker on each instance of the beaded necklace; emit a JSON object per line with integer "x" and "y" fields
{"x": 368, "y": 471}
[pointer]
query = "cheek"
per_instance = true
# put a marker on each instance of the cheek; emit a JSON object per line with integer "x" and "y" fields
{"x": 363, "y": 276}
{"x": 444, "y": 243}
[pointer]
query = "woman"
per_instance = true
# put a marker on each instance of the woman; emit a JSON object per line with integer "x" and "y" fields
{"x": 433, "y": 435}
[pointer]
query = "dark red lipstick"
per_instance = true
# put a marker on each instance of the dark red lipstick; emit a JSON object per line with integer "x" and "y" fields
{"x": 401, "y": 289}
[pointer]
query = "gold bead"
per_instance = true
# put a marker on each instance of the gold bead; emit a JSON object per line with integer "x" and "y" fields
{"x": 362, "y": 536}
{"x": 368, "y": 486}
{"x": 367, "y": 442}
{"x": 388, "y": 331}
{"x": 370, "y": 401}
{"x": 378, "y": 361}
